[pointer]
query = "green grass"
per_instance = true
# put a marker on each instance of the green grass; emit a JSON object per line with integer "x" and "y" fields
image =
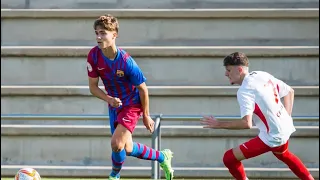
{"x": 106, "y": 179}
{"x": 83, "y": 179}
{"x": 87, "y": 179}
{"x": 58, "y": 179}
{"x": 72, "y": 179}
{"x": 78, "y": 179}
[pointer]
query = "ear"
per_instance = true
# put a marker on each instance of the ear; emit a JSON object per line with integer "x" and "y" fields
{"x": 240, "y": 69}
{"x": 115, "y": 35}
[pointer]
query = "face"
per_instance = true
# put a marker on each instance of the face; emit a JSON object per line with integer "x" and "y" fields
{"x": 104, "y": 37}
{"x": 233, "y": 73}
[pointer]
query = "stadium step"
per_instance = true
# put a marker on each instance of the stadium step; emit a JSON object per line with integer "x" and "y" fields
{"x": 192, "y": 145}
{"x": 161, "y": 27}
{"x": 163, "y": 66}
{"x": 167, "y": 131}
{"x": 47, "y": 119}
{"x": 186, "y": 100}
{"x": 138, "y": 4}
{"x": 144, "y": 172}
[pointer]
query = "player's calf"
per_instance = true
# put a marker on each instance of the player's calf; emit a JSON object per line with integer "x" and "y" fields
{"x": 142, "y": 151}
{"x": 295, "y": 164}
{"x": 118, "y": 141}
{"x": 234, "y": 165}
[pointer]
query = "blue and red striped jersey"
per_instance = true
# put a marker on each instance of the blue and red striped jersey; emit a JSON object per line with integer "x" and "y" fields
{"x": 119, "y": 76}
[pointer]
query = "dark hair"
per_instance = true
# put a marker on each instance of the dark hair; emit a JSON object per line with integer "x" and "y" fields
{"x": 108, "y": 22}
{"x": 236, "y": 59}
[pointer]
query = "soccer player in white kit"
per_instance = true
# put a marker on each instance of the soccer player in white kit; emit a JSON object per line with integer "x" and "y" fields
{"x": 259, "y": 99}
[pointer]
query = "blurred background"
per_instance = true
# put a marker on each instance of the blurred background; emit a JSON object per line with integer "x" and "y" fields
{"x": 51, "y": 122}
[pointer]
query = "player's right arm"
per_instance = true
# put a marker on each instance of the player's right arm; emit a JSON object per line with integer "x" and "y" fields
{"x": 287, "y": 93}
{"x": 96, "y": 91}
{"x": 94, "y": 84}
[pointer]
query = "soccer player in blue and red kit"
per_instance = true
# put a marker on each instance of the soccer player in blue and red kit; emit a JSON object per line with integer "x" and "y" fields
{"x": 127, "y": 96}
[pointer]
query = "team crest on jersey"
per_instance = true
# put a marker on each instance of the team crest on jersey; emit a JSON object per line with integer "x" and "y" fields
{"x": 120, "y": 73}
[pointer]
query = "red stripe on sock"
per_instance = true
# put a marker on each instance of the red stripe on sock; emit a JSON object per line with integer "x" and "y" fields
{"x": 117, "y": 163}
{"x": 144, "y": 151}
{"x": 150, "y": 154}
{"x": 157, "y": 154}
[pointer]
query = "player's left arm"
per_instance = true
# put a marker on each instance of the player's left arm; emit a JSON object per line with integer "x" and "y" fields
{"x": 244, "y": 123}
{"x": 287, "y": 93}
{"x": 247, "y": 104}
{"x": 246, "y": 100}
{"x": 144, "y": 98}
{"x": 137, "y": 78}
{"x": 211, "y": 122}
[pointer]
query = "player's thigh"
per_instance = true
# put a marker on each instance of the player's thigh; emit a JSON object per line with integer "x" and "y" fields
{"x": 127, "y": 119}
{"x": 129, "y": 145}
{"x": 129, "y": 116}
{"x": 120, "y": 137}
{"x": 252, "y": 148}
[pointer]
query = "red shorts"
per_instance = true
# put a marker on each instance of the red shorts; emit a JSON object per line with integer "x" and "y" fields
{"x": 256, "y": 146}
{"x": 129, "y": 116}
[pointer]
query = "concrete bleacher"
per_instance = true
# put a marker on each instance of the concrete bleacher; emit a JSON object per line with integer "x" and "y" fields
{"x": 186, "y": 100}
{"x": 63, "y": 140}
{"x": 150, "y": 27}
{"x": 155, "y": 4}
{"x": 154, "y": 60}
{"x": 46, "y": 102}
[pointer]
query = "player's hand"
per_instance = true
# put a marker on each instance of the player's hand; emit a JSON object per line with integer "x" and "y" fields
{"x": 115, "y": 102}
{"x": 149, "y": 123}
{"x": 209, "y": 122}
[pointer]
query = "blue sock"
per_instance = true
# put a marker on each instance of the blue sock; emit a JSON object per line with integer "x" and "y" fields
{"x": 144, "y": 152}
{"x": 117, "y": 162}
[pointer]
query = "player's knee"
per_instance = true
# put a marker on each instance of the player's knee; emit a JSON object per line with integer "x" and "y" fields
{"x": 282, "y": 155}
{"x": 117, "y": 145}
{"x": 119, "y": 138}
{"x": 128, "y": 147}
{"x": 229, "y": 158}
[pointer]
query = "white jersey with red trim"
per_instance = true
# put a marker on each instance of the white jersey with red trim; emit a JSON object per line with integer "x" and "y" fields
{"x": 259, "y": 95}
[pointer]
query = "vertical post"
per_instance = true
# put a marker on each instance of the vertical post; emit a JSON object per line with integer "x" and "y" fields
{"x": 155, "y": 168}
{"x": 159, "y": 144}
{"x": 27, "y": 4}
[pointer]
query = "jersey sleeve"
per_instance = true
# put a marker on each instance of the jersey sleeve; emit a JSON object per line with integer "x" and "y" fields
{"x": 282, "y": 87}
{"x": 135, "y": 74}
{"x": 91, "y": 67}
{"x": 246, "y": 100}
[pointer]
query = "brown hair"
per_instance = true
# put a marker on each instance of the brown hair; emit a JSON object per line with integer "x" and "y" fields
{"x": 236, "y": 59}
{"x": 108, "y": 22}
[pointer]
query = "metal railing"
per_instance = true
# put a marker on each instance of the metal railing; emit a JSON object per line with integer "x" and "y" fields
{"x": 155, "y": 141}
{"x": 156, "y": 144}
{"x": 156, "y": 135}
